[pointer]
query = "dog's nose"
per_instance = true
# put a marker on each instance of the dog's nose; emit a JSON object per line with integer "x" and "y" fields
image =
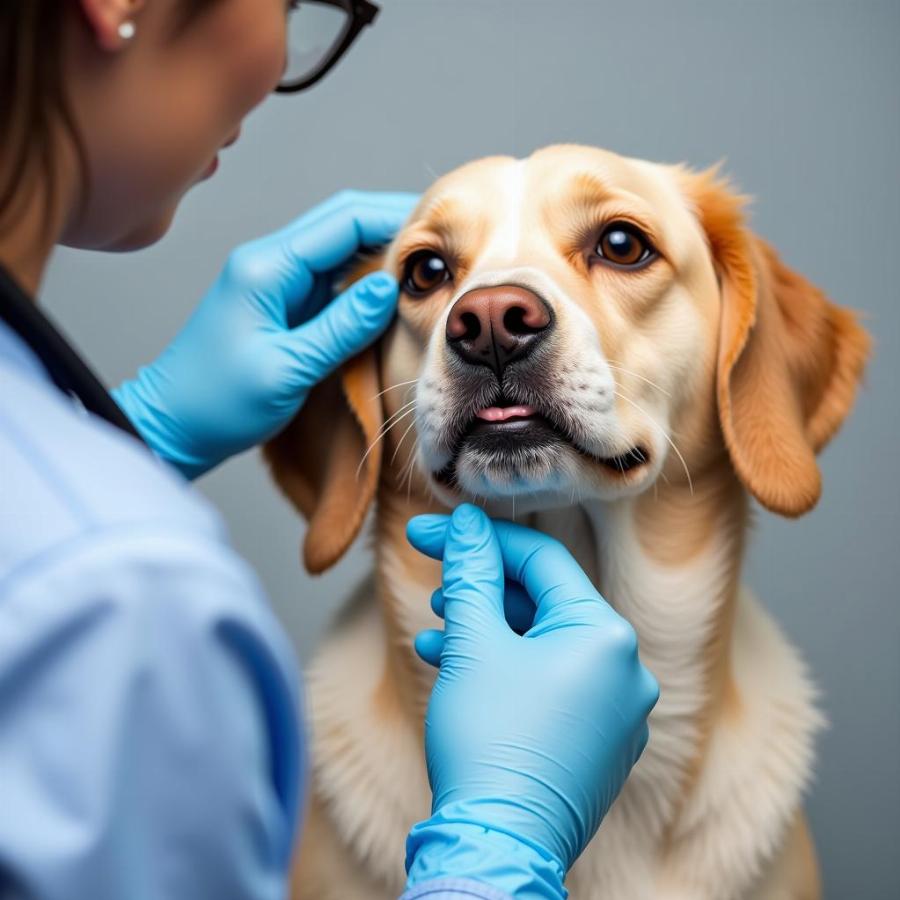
{"x": 497, "y": 325}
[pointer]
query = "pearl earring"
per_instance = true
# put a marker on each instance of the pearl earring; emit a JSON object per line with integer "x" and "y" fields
{"x": 127, "y": 30}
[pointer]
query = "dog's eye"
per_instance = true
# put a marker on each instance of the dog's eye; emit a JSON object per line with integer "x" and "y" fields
{"x": 424, "y": 271}
{"x": 623, "y": 244}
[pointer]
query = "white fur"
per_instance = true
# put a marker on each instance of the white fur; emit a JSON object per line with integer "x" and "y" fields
{"x": 372, "y": 777}
{"x": 505, "y": 240}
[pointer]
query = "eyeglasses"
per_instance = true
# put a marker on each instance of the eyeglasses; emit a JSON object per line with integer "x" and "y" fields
{"x": 319, "y": 33}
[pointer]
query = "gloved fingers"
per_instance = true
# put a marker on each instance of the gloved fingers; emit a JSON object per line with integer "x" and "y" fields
{"x": 343, "y": 328}
{"x": 649, "y": 689}
{"x": 301, "y": 309}
{"x": 278, "y": 272}
{"x": 331, "y": 234}
{"x": 542, "y": 565}
{"x": 428, "y": 533}
{"x": 390, "y": 202}
{"x": 518, "y": 608}
{"x": 641, "y": 743}
{"x": 472, "y": 584}
{"x": 429, "y": 645}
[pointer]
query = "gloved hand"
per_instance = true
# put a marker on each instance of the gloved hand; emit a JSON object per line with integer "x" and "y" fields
{"x": 528, "y": 738}
{"x": 245, "y": 361}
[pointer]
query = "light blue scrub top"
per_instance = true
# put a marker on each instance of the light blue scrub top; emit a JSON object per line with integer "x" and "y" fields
{"x": 149, "y": 744}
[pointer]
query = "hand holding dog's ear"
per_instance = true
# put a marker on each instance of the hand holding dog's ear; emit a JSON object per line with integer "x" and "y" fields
{"x": 528, "y": 738}
{"x": 269, "y": 329}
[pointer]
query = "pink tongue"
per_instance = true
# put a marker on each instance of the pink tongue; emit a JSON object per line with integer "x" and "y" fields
{"x": 502, "y": 413}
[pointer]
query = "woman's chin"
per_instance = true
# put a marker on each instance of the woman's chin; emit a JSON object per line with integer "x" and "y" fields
{"x": 144, "y": 235}
{"x": 140, "y": 236}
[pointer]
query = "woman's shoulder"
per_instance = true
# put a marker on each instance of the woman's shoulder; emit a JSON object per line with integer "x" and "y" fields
{"x": 65, "y": 473}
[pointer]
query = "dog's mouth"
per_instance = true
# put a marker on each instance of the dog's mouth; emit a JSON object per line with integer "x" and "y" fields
{"x": 507, "y": 432}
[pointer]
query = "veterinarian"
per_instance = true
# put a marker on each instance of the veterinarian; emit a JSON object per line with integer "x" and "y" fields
{"x": 150, "y": 745}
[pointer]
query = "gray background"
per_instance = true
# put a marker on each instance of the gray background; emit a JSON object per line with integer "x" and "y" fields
{"x": 800, "y": 98}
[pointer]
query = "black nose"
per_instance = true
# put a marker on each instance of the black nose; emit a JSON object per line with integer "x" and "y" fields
{"x": 498, "y": 325}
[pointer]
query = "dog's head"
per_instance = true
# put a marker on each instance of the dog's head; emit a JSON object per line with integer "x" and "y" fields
{"x": 576, "y": 325}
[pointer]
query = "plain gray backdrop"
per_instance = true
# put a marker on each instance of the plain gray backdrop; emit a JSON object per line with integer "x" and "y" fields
{"x": 799, "y": 98}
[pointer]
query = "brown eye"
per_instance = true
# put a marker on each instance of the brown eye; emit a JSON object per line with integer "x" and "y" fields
{"x": 623, "y": 244}
{"x": 424, "y": 271}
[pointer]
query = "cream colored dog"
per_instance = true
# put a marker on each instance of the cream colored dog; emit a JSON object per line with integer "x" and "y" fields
{"x": 597, "y": 346}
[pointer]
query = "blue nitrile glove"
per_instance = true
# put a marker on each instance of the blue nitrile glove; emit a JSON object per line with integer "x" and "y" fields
{"x": 528, "y": 738}
{"x": 246, "y": 359}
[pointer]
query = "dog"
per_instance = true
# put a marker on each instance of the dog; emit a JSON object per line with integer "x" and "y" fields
{"x": 599, "y": 347}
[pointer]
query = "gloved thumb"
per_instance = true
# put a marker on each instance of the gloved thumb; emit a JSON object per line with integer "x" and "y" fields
{"x": 473, "y": 580}
{"x": 347, "y": 325}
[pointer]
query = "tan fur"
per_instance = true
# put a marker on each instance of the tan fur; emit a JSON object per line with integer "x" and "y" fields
{"x": 789, "y": 360}
{"x": 794, "y": 874}
{"x": 765, "y": 372}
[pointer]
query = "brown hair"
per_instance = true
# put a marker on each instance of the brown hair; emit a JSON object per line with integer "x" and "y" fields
{"x": 33, "y": 96}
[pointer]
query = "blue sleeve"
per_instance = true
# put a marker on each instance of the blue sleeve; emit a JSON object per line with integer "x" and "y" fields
{"x": 455, "y": 889}
{"x": 149, "y": 745}
{"x": 448, "y": 859}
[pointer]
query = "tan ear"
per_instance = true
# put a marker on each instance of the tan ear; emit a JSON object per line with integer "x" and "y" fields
{"x": 789, "y": 359}
{"x": 322, "y": 460}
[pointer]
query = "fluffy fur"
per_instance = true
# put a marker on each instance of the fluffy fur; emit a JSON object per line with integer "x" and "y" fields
{"x": 730, "y": 371}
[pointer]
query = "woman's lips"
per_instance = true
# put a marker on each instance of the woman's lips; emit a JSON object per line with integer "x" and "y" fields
{"x": 210, "y": 170}
{"x": 502, "y": 413}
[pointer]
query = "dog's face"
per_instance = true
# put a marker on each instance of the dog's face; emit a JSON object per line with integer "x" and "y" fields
{"x": 576, "y": 325}
{"x": 559, "y": 315}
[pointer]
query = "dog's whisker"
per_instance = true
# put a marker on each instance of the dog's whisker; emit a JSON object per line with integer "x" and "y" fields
{"x": 638, "y": 375}
{"x": 665, "y": 434}
{"x": 402, "y": 439}
{"x": 398, "y": 416}
{"x": 394, "y": 387}
{"x": 394, "y": 418}
{"x": 409, "y": 468}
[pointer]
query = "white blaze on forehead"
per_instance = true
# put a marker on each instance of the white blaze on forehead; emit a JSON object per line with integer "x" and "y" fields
{"x": 503, "y": 244}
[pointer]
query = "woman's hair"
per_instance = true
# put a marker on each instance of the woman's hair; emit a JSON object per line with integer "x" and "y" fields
{"x": 33, "y": 100}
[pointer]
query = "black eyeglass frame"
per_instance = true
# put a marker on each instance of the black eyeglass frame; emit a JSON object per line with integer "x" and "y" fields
{"x": 360, "y": 14}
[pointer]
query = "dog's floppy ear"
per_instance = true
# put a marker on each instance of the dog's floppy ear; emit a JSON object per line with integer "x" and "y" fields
{"x": 789, "y": 360}
{"x": 322, "y": 460}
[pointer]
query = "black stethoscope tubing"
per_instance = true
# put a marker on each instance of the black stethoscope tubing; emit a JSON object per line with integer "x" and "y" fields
{"x": 69, "y": 372}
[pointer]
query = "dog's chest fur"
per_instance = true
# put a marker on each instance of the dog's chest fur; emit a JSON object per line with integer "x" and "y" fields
{"x": 708, "y": 803}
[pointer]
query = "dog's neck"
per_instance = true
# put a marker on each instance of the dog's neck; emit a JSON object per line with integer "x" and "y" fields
{"x": 668, "y": 560}
{"x": 730, "y": 740}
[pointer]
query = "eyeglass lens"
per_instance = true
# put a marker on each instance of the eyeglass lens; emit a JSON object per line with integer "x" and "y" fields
{"x": 313, "y": 31}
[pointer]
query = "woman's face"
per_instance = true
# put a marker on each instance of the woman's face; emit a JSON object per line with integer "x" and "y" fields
{"x": 154, "y": 113}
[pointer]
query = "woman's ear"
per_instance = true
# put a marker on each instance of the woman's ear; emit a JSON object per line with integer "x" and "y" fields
{"x": 111, "y": 21}
{"x": 789, "y": 359}
{"x": 328, "y": 459}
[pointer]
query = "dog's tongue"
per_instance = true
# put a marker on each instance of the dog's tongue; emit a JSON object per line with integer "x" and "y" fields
{"x": 502, "y": 413}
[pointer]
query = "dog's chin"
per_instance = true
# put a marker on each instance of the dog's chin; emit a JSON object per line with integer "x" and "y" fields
{"x": 531, "y": 458}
